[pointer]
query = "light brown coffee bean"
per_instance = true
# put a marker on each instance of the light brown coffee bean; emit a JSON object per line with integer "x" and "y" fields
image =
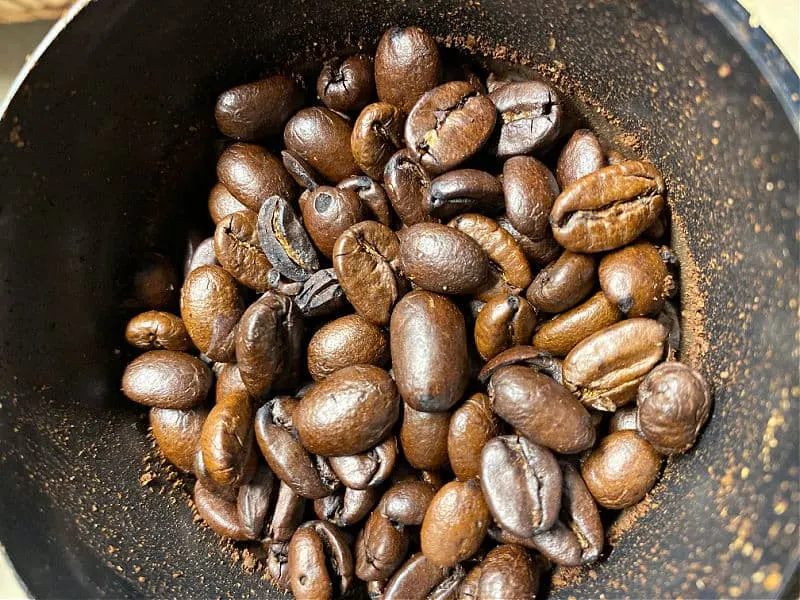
{"x": 177, "y": 434}
{"x": 635, "y": 278}
{"x": 564, "y": 283}
{"x": 346, "y": 341}
{"x": 238, "y": 250}
{"x": 502, "y": 323}
{"x": 321, "y": 137}
{"x": 582, "y": 155}
{"x": 167, "y": 379}
{"x": 222, "y": 203}
{"x": 471, "y": 426}
{"x": 530, "y": 190}
{"x": 407, "y": 65}
{"x": 251, "y": 175}
{"x": 423, "y": 436}
{"x": 377, "y": 135}
{"x": 157, "y": 330}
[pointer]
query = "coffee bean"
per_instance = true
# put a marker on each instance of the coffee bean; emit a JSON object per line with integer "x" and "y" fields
{"x": 157, "y": 330}
{"x": 222, "y": 203}
{"x": 529, "y": 356}
{"x": 377, "y": 135}
{"x": 407, "y": 65}
{"x": 368, "y": 469}
{"x": 608, "y": 208}
{"x": 464, "y": 191}
{"x": 429, "y": 351}
{"x": 253, "y": 502}
{"x": 372, "y": 196}
{"x": 252, "y": 175}
{"x": 530, "y": 190}
{"x": 406, "y": 502}
{"x": 582, "y": 155}
{"x": 346, "y": 507}
{"x": 167, "y": 379}
{"x": 579, "y": 513}
{"x": 220, "y": 514}
{"x": 321, "y": 137}
{"x": 202, "y": 256}
{"x": 564, "y": 283}
{"x": 321, "y": 295}
{"x": 504, "y": 322}
{"x": 259, "y": 109}
{"x": 284, "y": 240}
{"x": 471, "y": 426}
{"x": 495, "y": 81}
{"x": 559, "y": 544}
{"x": 407, "y": 184}
{"x": 423, "y": 436}
{"x": 635, "y": 278}
{"x": 671, "y": 320}
{"x": 624, "y": 418}
{"x": 530, "y": 115}
{"x": 278, "y": 565}
{"x": 415, "y": 580}
{"x": 154, "y": 283}
{"x": 177, "y": 434}
{"x": 286, "y": 514}
{"x": 507, "y": 571}
{"x": 621, "y": 470}
{"x": 350, "y": 340}
{"x": 320, "y": 562}
{"x": 539, "y": 252}
{"x": 238, "y": 251}
{"x": 346, "y": 85}
{"x": 328, "y": 212}
{"x": 300, "y": 170}
{"x": 380, "y": 548}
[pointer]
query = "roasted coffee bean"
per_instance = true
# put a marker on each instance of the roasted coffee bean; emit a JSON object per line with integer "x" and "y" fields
{"x": 377, "y": 135}
{"x": 252, "y": 175}
{"x": 671, "y": 320}
{"x": 300, "y": 170}
{"x": 564, "y": 283}
{"x": 407, "y": 65}
{"x": 229, "y": 381}
{"x": 238, "y": 251}
{"x": 559, "y": 544}
{"x": 366, "y": 260}
{"x": 278, "y": 283}
{"x": 442, "y": 259}
{"x": 320, "y": 562}
{"x": 494, "y": 81}
{"x": 521, "y": 482}
{"x": 154, "y": 283}
{"x": 167, "y": 379}
{"x": 346, "y": 85}
{"x": 407, "y": 184}
{"x": 621, "y": 470}
{"x": 541, "y": 409}
{"x": 635, "y": 278}
{"x": 530, "y": 190}
{"x": 369, "y": 469}
{"x": 417, "y": 579}
{"x": 530, "y": 117}
{"x": 211, "y": 306}
{"x": 406, "y": 502}
{"x": 380, "y": 548}
{"x": 563, "y": 332}
{"x": 464, "y": 191}
{"x": 348, "y": 412}
{"x": 608, "y": 208}
{"x": 471, "y": 426}
{"x": 579, "y": 513}
{"x": 539, "y": 360}
{"x": 287, "y": 514}
{"x": 328, "y": 212}
{"x": 372, "y": 196}
{"x": 448, "y": 125}
{"x": 605, "y": 369}
{"x": 278, "y": 565}
{"x": 253, "y": 501}
{"x": 220, "y": 514}
{"x": 582, "y": 155}
{"x": 346, "y": 507}
{"x": 502, "y": 323}
{"x": 673, "y": 405}
{"x": 285, "y": 241}
{"x": 222, "y": 203}
{"x": 202, "y": 256}
{"x": 507, "y": 571}
{"x": 177, "y": 434}
{"x": 455, "y": 523}
{"x": 347, "y": 341}
{"x": 539, "y": 252}
{"x": 429, "y": 351}
{"x": 321, "y": 295}
{"x": 259, "y": 109}
{"x": 624, "y": 418}
{"x": 423, "y": 436}
{"x": 156, "y": 330}
{"x": 321, "y": 137}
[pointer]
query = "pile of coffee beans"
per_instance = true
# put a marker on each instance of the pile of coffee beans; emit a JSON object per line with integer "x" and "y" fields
{"x": 412, "y": 354}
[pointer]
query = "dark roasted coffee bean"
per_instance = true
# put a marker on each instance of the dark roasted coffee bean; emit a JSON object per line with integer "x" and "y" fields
{"x": 621, "y": 470}
{"x": 605, "y": 369}
{"x": 287, "y": 514}
{"x": 407, "y": 65}
{"x": 222, "y": 203}
{"x": 539, "y": 252}
{"x": 377, "y": 135}
{"x": 559, "y": 544}
{"x": 529, "y": 115}
{"x": 154, "y": 283}
{"x": 284, "y": 240}
{"x": 300, "y": 170}
{"x": 368, "y": 469}
{"x": 579, "y": 513}
{"x": 423, "y": 436}
{"x": 564, "y": 283}
{"x": 624, "y": 418}
{"x": 507, "y": 571}
{"x": 346, "y": 85}
{"x": 252, "y": 175}
{"x": 582, "y": 155}
{"x": 253, "y": 501}
{"x": 347, "y": 341}
{"x": 532, "y": 402}
{"x": 278, "y": 565}
{"x": 328, "y": 212}
{"x": 448, "y": 125}
{"x": 406, "y": 502}
{"x": 320, "y": 562}
{"x": 407, "y": 185}
{"x": 346, "y": 507}
{"x": 372, "y": 196}
{"x": 238, "y": 251}
{"x": 167, "y": 379}
{"x": 608, "y": 208}
{"x": 464, "y": 191}
{"x": 635, "y": 278}
{"x": 502, "y": 323}
{"x": 442, "y": 259}
{"x": 415, "y": 580}
{"x": 521, "y": 482}
{"x": 202, "y": 256}
{"x": 673, "y": 405}
{"x": 156, "y": 330}
{"x": 321, "y": 295}
{"x": 530, "y": 190}
{"x": 259, "y": 109}
{"x": 220, "y": 514}
{"x": 429, "y": 351}
{"x": 321, "y": 137}
{"x": 471, "y": 426}
{"x": 177, "y": 434}
{"x": 529, "y": 356}
{"x": 380, "y": 548}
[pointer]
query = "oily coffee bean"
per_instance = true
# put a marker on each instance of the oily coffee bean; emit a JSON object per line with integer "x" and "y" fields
{"x": 321, "y": 137}
{"x": 406, "y": 502}
{"x": 285, "y": 241}
{"x": 580, "y": 515}
{"x": 423, "y": 436}
{"x": 222, "y": 203}
{"x": 472, "y": 425}
{"x": 605, "y": 369}
{"x": 455, "y": 523}
{"x": 372, "y": 196}
{"x": 521, "y": 482}
{"x": 287, "y": 514}
{"x": 278, "y": 565}
{"x": 321, "y": 295}
{"x": 563, "y": 332}
{"x": 285, "y": 287}
{"x": 157, "y": 330}
{"x": 429, "y": 351}
{"x": 529, "y": 356}
{"x": 673, "y": 405}
{"x": 448, "y": 125}
{"x": 259, "y": 109}
{"x": 177, "y": 434}
{"x": 442, "y": 259}
{"x": 533, "y": 403}
{"x": 624, "y": 418}
{"x": 504, "y": 321}
{"x": 417, "y": 579}
{"x": 621, "y": 470}
{"x": 202, "y": 256}
{"x": 346, "y": 85}
{"x": 154, "y": 283}
{"x": 530, "y": 116}
{"x": 368, "y": 469}
{"x": 464, "y": 191}
{"x": 380, "y": 548}
{"x": 328, "y": 212}
{"x": 608, "y": 208}
{"x": 559, "y": 544}
{"x": 252, "y": 175}
{"x": 377, "y": 135}
{"x": 347, "y": 341}
{"x": 348, "y": 412}
{"x": 407, "y": 65}
{"x": 211, "y": 306}
{"x": 564, "y": 283}
{"x": 220, "y": 514}
{"x": 539, "y": 252}
{"x": 507, "y": 571}
{"x": 253, "y": 501}
{"x": 366, "y": 260}
{"x": 320, "y": 561}
{"x": 530, "y": 190}
{"x": 229, "y": 381}
{"x": 167, "y": 379}
{"x": 635, "y": 278}
{"x": 582, "y": 155}
{"x": 346, "y": 507}
{"x": 407, "y": 184}
{"x": 300, "y": 170}
{"x": 238, "y": 251}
